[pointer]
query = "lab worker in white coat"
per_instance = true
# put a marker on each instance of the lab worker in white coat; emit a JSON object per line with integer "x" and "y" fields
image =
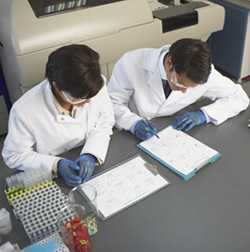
{"x": 70, "y": 108}
{"x": 148, "y": 83}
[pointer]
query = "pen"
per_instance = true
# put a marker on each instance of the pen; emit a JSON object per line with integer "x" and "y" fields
{"x": 157, "y": 135}
{"x": 149, "y": 129}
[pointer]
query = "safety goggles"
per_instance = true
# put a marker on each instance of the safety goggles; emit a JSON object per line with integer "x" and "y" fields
{"x": 179, "y": 86}
{"x": 72, "y": 100}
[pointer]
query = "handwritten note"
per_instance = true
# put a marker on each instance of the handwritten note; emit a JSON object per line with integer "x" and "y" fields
{"x": 179, "y": 150}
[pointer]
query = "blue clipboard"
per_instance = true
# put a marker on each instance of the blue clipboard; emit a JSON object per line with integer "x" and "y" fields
{"x": 164, "y": 152}
{"x": 186, "y": 177}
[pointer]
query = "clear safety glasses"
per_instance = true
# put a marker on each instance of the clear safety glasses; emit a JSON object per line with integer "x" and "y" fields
{"x": 179, "y": 86}
{"x": 72, "y": 100}
{"x": 175, "y": 82}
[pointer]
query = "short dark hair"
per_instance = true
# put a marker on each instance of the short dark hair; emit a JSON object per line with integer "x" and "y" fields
{"x": 191, "y": 57}
{"x": 76, "y": 70}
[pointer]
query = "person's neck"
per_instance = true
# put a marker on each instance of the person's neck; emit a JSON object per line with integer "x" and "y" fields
{"x": 61, "y": 102}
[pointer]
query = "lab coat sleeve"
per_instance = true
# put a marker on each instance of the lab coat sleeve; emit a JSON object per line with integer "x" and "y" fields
{"x": 230, "y": 98}
{"x": 120, "y": 91}
{"x": 19, "y": 146}
{"x": 98, "y": 137}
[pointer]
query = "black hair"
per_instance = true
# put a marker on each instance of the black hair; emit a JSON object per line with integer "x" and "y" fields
{"x": 191, "y": 57}
{"x": 76, "y": 70}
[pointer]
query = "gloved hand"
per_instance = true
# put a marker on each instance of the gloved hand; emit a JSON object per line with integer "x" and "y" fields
{"x": 144, "y": 130}
{"x": 189, "y": 120}
{"x": 87, "y": 164}
{"x": 68, "y": 170}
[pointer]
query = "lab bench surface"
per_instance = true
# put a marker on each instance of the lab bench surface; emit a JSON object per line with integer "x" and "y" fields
{"x": 209, "y": 213}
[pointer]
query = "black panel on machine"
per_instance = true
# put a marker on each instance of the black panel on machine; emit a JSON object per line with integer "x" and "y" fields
{"x": 179, "y": 16}
{"x": 49, "y": 7}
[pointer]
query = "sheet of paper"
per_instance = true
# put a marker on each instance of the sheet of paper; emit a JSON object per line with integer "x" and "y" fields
{"x": 124, "y": 185}
{"x": 179, "y": 150}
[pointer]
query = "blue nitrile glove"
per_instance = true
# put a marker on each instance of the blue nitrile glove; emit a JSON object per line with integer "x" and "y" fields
{"x": 68, "y": 170}
{"x": 189, "y": 120}
{"x": 87, "y": 164}
{"x": 144, "y": 130}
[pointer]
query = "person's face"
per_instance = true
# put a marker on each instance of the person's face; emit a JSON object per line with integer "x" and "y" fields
{"x": 177, "y": 81}
{"x": 68, "y": 99}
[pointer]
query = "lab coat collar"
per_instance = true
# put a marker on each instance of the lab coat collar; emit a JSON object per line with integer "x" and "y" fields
{"x": 50, "y": 101}
{"x": 49, "y": 97}
{"x": 151, "y": 61}
{"x": 151, "y": 65}
{"x": 161, "y": 65}
{"x": 51, "y": 106}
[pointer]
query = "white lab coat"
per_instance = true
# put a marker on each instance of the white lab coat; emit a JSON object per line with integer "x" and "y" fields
{"x": 136, "y": 91}
{"x": 38, "y": 132}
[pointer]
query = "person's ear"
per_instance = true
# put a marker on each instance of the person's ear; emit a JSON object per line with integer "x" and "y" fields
{"x": 54, "y": 85}
{"x": 168, "y": 63}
